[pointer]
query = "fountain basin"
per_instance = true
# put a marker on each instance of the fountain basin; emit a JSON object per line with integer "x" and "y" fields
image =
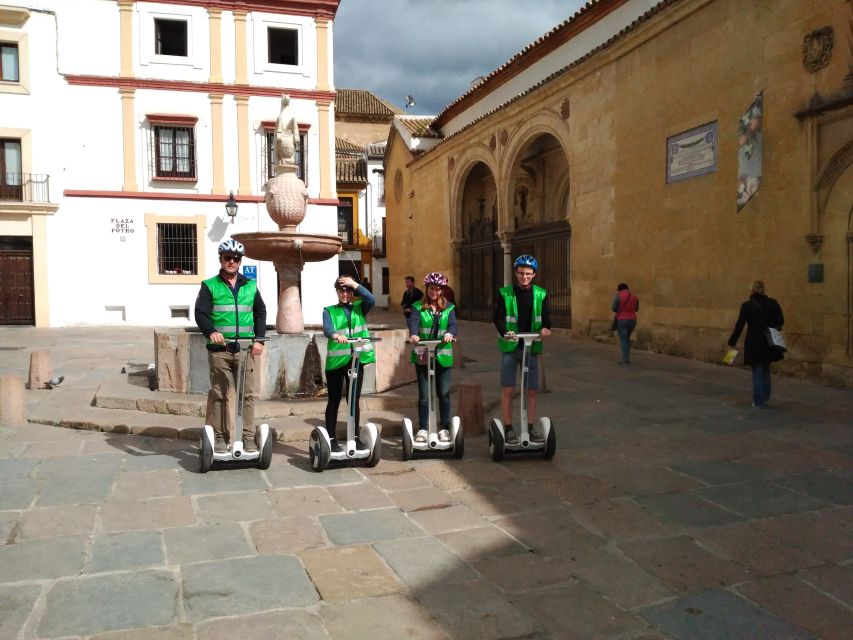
{"x": 284, "y": 246}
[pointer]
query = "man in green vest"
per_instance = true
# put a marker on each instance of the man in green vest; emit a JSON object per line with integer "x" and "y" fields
{"x": 521, "y": 307}
{"x": 346, "y": 319}
{"x": 230, "y": 306}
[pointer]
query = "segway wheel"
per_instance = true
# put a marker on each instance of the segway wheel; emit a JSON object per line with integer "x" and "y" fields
{"x": 205, "y": 454}
{"x": 266, "y": 453}
{"x": 551, "y": 444}
{"x": 408, "y": 446}
{"x": 459, "y": 444}
{"x": 496, "y": 442}
{"x": 319, "y": 452}
{"x": 376, "y": 452}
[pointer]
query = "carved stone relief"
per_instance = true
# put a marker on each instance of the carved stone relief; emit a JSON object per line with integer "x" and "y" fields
{"x": 817, "y": 49}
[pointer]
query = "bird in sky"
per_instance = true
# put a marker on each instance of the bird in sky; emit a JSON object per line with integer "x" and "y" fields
{"x": 410, "y": 101}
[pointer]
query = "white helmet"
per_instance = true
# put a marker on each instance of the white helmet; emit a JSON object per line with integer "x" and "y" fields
{"x": 231, "y": 246}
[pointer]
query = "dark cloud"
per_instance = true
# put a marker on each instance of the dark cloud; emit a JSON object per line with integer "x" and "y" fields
{"x": 433, "y": 49}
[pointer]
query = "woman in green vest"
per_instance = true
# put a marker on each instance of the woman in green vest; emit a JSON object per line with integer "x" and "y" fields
{"x": 433, "y": 318}
{"x": 346, "y": 319}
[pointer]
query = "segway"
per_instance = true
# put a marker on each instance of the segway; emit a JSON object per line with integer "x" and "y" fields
{"x": 236, "y": 453}
{"x": 367, "y": 446}
{"x": 457, "y": 438}
{"x": 498, "y": 445}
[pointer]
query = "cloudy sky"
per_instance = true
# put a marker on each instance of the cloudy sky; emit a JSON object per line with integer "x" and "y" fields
{"x": 433, "y": 49}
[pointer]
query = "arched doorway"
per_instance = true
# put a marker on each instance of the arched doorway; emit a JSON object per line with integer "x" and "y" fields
{"x": 539, "y": 217}
{"x": 480, "y": 254}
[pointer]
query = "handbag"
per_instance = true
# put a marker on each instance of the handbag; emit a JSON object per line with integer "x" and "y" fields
{"x": 775, "y": 339}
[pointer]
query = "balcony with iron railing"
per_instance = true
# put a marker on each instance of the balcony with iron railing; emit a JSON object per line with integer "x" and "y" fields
{"x": 25, "y": 187}
{"x": 379, "y": 245}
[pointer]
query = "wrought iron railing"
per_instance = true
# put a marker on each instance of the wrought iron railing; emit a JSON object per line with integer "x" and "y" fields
{"x": 25, "y": 187}
{"x": 379, "y": 246}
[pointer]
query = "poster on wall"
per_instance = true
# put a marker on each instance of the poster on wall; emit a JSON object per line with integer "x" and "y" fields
{"x": 750, "y": 133}
{"x": 691, "y": 153}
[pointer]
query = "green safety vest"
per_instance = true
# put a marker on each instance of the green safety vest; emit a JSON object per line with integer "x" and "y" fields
{"x": 508, "y": 346}
{"x": 339, "y": 355}
{"x": 444, "y": 352}
{"x": 232, "y": 315}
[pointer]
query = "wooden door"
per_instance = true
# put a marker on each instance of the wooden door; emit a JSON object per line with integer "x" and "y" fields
{"x": 17, "y": 304}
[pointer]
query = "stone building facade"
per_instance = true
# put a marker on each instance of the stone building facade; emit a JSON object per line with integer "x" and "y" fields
{"x": 566, "y": 151}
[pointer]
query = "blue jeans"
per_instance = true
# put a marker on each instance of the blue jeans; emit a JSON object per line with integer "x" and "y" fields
{"x": 760, "y": 384}
{"x": 625, "y": 328}
{"x": 442, "y": 388}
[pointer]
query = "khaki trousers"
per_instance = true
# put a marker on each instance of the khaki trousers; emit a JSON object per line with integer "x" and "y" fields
{"x": 222, "y": 397}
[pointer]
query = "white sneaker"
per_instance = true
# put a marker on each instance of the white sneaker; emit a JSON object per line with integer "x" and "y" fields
{"x": 444, "y": 435}
{"x": 421, "y": 436}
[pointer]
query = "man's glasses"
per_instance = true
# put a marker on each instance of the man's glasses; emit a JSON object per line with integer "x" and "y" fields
{"x": 229, "y": 258}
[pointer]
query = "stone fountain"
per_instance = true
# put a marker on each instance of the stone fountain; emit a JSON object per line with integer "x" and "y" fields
{"x": 287, "y": 248}
{"x": 181, "y": 357}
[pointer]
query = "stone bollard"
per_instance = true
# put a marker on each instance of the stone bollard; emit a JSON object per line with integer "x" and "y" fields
{"x": 13, "y": 404}
{"x": 469, "y": 408}
{"x": 39, "y": 369}
{"x": 458, "y": 362}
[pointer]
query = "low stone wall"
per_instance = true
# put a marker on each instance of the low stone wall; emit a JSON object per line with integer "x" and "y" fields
{"x": 181, "y": 362}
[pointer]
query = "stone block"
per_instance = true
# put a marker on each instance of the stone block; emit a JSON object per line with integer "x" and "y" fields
{"x": 13, "y": 406}
{"x": 171, "y": 361}
{"x": 40, "y": 370}
{"x": 392, "y": 360}
{"x": 469, "y": 408}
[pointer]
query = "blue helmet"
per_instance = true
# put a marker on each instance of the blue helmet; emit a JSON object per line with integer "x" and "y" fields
{"x": 526, "y": 260}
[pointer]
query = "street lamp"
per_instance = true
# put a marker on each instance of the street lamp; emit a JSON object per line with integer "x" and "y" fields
{"x": 231, "y": 206}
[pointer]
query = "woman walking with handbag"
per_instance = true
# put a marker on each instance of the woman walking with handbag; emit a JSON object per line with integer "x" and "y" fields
{"x": 625, "y": 305}
{"x": 760, "y": 313}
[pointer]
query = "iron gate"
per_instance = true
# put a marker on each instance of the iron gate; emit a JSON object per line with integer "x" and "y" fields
{"x": 550, "y": 244}
{"x": 16, "y": 281}
{"x": 481, "y": 262}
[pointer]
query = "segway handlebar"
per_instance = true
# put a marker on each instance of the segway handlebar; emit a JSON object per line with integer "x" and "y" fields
{"x": 523, "y": 336}
{"x": 430, "y": 343}
{"x": 243, "y": 342}
{"x": 363, "y": 340}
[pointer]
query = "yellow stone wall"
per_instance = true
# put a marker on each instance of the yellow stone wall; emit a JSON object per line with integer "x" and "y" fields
{"x": 683, "y": 248}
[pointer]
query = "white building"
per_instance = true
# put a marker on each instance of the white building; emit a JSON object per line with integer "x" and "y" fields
{"x": 124, "y": 126}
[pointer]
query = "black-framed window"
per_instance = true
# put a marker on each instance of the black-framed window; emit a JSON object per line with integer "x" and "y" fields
{"x": 269, "y": 156}
{"x": 345, "y": 213}
{"x": 170, "y": 37}
{"x": 177, "y": 248}
{"x": 174, "y": 149}
{"x": 282, "y": 46}
{"x": 9, "y": 62}
{"x": 11, "y": 167}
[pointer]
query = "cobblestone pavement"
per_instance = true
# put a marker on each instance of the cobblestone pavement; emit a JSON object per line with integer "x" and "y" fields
{"x": 672, "y": 509}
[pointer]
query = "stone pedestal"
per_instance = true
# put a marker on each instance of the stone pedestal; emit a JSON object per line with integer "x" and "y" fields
{"x": 13, "y": 404}
{"x": 40, "y": 370}
{"x": 469, "y": 408}
{"x": 181, "y": 360}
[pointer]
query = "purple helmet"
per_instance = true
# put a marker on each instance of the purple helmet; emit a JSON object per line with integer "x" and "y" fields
{"x": 435, "y": 278}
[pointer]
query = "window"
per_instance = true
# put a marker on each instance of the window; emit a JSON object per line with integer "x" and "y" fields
{"x": 345, "y": 226}
{"x": 380, "y": 191}
{"x": 170, "y": 37}
{"x": 176, "y": 249}
{"x": 282, "y": 46}
{"x": 11, "y": 178}
{"x": 269, "y": 155}
{"x": 9, "y": 69}
{"x": 174, "y": 150}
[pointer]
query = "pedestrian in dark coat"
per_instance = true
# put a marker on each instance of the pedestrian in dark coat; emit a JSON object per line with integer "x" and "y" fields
{"x": 758, "y": 313}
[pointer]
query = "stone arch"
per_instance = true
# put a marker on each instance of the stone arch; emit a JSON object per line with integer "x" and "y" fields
{"x": 528, "y": 133}
{"x": 459, "y": 174}
{"x": 828, "y": 176}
